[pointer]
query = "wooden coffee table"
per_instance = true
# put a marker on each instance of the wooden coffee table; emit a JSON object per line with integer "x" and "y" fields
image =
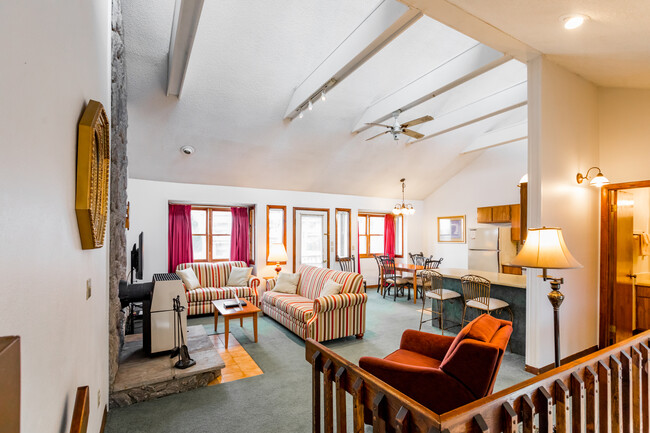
{"x": 249, "y": 310}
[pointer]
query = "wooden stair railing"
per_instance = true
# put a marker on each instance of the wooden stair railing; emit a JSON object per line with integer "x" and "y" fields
{"x": 606, "y": 392}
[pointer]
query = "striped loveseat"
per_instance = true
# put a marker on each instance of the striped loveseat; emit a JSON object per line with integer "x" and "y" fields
{"x": 326, "y": 318}
{"x": 213, "y": 278}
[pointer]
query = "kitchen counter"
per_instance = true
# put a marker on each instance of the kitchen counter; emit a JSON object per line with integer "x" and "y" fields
{"x": 495, "y": 278}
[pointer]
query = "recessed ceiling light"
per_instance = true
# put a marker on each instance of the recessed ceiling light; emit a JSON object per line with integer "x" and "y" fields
{"x": 573, "y": 21}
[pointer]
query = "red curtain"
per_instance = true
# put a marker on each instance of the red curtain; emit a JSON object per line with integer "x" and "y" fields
{"x": 180, "y": 236}
{"x": 389, "y": 235}
{"x": 239, "y": 245}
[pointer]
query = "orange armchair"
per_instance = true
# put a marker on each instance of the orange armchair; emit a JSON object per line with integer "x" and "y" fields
{"x": 442, "y": 372}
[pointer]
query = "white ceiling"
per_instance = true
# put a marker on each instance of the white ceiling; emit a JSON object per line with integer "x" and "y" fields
{"x": 612, "y": 49}
{"x": 247, "y": 59}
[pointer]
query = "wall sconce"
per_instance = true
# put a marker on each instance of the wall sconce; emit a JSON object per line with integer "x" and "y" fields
{"x": 598, "y": 180}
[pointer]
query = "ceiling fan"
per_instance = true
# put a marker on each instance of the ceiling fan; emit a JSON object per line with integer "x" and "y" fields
{"x": 396, "y": 129}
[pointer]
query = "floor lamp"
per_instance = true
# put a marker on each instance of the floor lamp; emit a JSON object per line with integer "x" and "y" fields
{"x": 545, "y": 249}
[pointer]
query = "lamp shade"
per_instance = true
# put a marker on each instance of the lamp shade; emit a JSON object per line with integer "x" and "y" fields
{"x": 599, "y": 180}
{"x": 277, "y": 253}
{"x": 545, "y": 248}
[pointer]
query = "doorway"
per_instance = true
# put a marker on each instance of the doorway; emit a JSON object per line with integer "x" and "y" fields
{"x": 625, "y": 261}
{"x": 311, "y": 237}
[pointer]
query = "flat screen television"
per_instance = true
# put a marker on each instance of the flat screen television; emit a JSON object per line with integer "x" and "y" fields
{"x": 136, "y": 259}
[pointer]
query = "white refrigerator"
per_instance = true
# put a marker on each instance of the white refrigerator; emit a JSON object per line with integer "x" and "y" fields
{"x": 489, "y": 248}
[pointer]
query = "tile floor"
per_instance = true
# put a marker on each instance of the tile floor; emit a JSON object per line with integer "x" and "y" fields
{"x": 239, "y": 364}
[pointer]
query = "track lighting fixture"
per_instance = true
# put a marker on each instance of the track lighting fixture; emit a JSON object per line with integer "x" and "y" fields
{"x": 310, "y": 106}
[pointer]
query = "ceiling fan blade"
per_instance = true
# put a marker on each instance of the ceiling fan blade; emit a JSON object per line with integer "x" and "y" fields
{"x": 378, "y": 124}
{"x": 411, "y": 133}
{"x": 417, "y": 121}
{"x": 375, "y": 136}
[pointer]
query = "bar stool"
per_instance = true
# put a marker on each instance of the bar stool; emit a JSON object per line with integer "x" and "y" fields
{"x": 436, "y": 293}
{"x": 476, "y": 294}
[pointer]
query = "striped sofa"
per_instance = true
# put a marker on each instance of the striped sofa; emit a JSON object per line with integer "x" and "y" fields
{"x": 213, "y": 278}
{"x": 326, "y": 318}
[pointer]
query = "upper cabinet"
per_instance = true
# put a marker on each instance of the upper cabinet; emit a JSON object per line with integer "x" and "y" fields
{"x": 484, "y": 215}
{"x": 509, "y": 213}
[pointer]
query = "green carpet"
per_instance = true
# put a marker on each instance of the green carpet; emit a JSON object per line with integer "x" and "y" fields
{"x": 280, "y": 399}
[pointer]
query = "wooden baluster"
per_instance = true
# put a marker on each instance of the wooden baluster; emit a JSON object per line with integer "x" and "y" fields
{"x": 510, "y": 420}
{"x": 480, "y": 423}
{"x": 340, "y": 401}
{"x": 591, "y": 388}
{"x": 626, "y": 395}
{"x": 328, "y": 396}
{"x": 378, "y": 422}
{"x": 578, "y": 399}
{"x": 561, "y": 407}
{"x": 545, "y": 411}
{"x": 402, "y": 420}
{"x": 645, "y": 351}
{"x": 357, "y": 411}
{"x": 637, "y": 396}
{"x": 315, "y": 391}
{"x": 617, "y": 389}
{"x": 605, "y": 397}
{"x": 527, "y": 414}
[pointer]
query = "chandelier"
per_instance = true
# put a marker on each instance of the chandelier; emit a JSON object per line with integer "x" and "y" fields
{"x": 403, "y": 208}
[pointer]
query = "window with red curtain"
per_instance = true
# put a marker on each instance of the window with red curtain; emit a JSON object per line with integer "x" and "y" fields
{"x": 239, "y": 245}
{"x": 372, "y": 234}
{"x": 389, "y": 235}
{"x": 180, "y": 236}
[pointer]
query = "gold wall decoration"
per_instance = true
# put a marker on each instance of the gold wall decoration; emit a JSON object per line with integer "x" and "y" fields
{"x": 93, "y": 163}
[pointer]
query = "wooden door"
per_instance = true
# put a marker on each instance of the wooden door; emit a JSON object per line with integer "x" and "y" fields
{"x": 624, "y": 298}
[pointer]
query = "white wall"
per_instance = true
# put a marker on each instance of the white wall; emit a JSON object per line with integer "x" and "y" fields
{"x": 149, "y": 214}
{"x": 624, "y": 134}
{"x": 55, "y": 57}
{"x": 489, "y": 180}
{"x": 563, "y": 140}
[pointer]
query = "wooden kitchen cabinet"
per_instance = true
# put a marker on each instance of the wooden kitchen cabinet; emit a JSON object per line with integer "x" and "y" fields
{"x": 484, "y": 215}
{"x": 515, "y": 213}
{"x": 501, "y": 214}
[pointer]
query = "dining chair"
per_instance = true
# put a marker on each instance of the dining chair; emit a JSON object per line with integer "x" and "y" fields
{"x": 476, "y": 295}
{"x": 438, "y": 295}
{"x": 415, "y": 257}
{"x": 349, "y": 264}
{"x": 392, "y": 279}
{"x": 378, "y": 257}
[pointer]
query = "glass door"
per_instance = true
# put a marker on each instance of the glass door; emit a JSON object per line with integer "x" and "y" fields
{"x": 312, "y": 238}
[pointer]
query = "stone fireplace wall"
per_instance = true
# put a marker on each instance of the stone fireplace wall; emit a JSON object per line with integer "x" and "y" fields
{"x": 118, "y": 197}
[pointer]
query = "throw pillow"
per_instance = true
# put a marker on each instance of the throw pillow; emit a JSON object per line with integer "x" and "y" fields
{"x": 331, "y": 288}
{"x": 239, "y": 277}
{"x": 189, "y": 278}
{"x": 287, "y": 283}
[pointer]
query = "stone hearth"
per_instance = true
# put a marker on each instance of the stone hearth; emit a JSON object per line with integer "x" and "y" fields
{"x": 140, "y": 378}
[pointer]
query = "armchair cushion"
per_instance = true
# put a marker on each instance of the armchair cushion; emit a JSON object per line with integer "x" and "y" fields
{"x": 431, "y": 345}
{"x": 415, "y": 359}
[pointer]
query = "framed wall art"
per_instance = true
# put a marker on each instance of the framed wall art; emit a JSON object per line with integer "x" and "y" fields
{"x": 451, "y": 229}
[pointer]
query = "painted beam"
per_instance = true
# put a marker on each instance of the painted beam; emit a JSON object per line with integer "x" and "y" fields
{"x": 498, "y": 137}
{"x": 497, "y": 103}
{"x": 186, "y": 21}
{"x": 387, "y": 21}
{"x": 462, "y": 68}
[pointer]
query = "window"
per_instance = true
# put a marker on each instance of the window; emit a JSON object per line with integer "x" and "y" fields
{"x": 211, "y": 234}
{"x": 276, "y": 228}
{"x": 371, "y": 235}
{"x": 343, "y": 235}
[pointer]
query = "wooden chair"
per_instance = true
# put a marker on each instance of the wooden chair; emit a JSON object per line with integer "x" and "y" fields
{"x": 392, "y": 279}
{"x": 476, "y": 295}
{"x": 437, "y": 294}
{"x": 349, "y": 264}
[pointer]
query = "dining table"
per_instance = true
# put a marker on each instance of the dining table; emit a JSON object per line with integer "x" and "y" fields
{"x": 405, "y": 267}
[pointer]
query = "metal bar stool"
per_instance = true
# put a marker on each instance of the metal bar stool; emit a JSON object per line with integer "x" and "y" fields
{"x": 436, "y": 293}
{"x": 349, "y": 264}
{"x": 476, "y": 294}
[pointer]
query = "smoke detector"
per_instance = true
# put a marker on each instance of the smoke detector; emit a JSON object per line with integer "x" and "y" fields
{"x": 187, "y": 150}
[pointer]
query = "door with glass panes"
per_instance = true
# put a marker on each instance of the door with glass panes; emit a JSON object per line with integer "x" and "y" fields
{"x": 311, "y": 236}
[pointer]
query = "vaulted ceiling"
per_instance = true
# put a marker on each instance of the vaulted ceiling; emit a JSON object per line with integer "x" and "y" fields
{"x": 252, "y": 63}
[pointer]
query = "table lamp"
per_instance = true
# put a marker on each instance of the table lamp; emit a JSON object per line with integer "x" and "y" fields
{"x": 277, "y": 254}
{"x": 545, "y": 249}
